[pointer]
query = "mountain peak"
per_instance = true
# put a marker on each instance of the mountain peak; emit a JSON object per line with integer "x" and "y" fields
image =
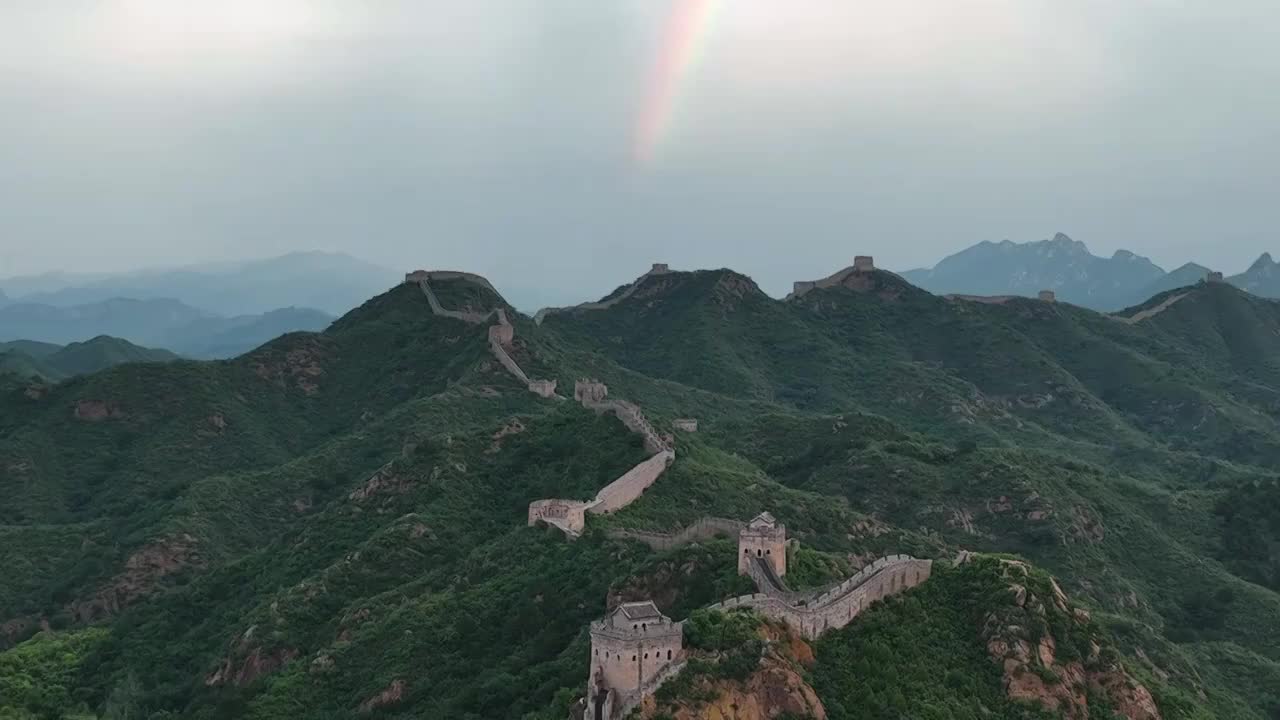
{"x": 1263, "y": 262}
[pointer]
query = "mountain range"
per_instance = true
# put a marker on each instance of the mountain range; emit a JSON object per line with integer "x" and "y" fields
{"x": 335, "y": 524}
{"x": 47, "y": 361}
{"x": 1076, "y": 275}
{"x": 331, "y": 282}
{"x": 162, "y": 323}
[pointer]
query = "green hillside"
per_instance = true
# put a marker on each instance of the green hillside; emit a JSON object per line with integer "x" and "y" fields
{"x": 334, "y": 525}
{"x": 47, "y": 361}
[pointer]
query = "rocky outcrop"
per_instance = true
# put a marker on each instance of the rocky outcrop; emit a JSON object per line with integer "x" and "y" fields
{"x": 142, "y": 576}
{"x": 1037, "y": 670}
{"x": 97, "y": 411}
{"x": 389, "y": 696}
{"x": 775, "y": 689}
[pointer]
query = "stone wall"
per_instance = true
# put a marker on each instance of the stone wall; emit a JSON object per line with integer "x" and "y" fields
{"x": 657, "y": 269}
{"x": 685, "y": 424}
{"x": 864, "y": 263}
{"x": 703, "y": 529}
{"x": 837, "y": 606}
{"x": 861, "y": 264}
{"x": 626, "y": 489}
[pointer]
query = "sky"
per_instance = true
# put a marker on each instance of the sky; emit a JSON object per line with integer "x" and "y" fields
{"x": 571, "y": 143}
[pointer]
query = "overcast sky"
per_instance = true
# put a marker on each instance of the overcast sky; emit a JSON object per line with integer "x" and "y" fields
{"x": 501, "y": 136}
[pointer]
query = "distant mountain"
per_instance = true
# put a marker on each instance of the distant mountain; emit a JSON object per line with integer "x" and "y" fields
{"x": 163, "y": 323}
{"x": 32, "y": 359}
{"x": 1262, "y": 278}
{"x": 228, "y": 337}
{"x": 1189, "y": 274}
{"x": 332, "y": 282}
{"x": 1061, "y": 264}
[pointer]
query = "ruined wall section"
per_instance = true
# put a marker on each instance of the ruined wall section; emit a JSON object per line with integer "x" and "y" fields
{"x": 705, "y": 528}
{"x": 838, "y": 606}
{"x": 657, "y": 269}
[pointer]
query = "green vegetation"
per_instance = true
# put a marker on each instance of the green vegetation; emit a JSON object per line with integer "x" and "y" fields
{"x": 337, "y": 520}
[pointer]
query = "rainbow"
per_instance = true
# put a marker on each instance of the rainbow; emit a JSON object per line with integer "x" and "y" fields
{"x": 683, "y": 43}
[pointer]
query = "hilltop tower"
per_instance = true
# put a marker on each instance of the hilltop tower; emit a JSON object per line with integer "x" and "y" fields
{"x": 763, "y": 539}
{"x": 1048, "y": 296}
{"x": 660, "y": 269}
{"x": 864, "y": 263}
{"x": 633, "y": 650}
{"x": 415, "y": 277}
{"x": 1215, "y": 277}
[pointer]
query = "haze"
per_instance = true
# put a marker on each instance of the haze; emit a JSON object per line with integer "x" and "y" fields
{"x": 502, "y": 137}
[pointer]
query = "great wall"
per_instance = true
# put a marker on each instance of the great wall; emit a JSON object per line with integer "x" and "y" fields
{"x": 635, "y": 649}
{"x": 628, "y": 291}
{"x": 567, "y": 515}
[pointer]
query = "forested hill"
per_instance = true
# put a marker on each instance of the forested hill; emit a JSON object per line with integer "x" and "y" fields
{"x": 334, "y": 525}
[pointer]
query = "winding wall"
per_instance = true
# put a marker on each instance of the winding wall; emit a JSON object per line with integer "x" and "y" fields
{"x": 837, "y": 606}
{"x": 658, "y": 269}
{"x": 543, "y": 388}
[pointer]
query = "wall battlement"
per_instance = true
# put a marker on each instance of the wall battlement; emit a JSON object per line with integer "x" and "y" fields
{"x": 703, "y": 529}
{"x": 861, "y": 264}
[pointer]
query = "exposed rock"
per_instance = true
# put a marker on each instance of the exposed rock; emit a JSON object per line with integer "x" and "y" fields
{"x": 97, "y": 411}
{"x": 775, "y": 689}
{"x": 252, "y": 666}
{"x": 391, "y": 695}
{"x": 511, "y": 427}
{"x": 1032, "y": 671}
{"x": 383, "y": 481}
{"x": 142, "y": 574}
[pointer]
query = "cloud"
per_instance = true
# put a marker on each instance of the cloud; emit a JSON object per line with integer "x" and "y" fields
{"x": 496, "y": 135}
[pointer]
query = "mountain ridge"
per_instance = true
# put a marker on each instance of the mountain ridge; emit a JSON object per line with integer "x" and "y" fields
{"x": 337, "y": 520}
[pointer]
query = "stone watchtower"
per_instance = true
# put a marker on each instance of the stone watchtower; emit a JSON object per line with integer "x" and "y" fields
{"x": 589, "y": 392}
{"x": 864, "y": 263}
{"x": 764, "y": 538}
{"x": 1048, "y": 296}
{"x": 632, "y": 651}
{"x": 1215, "y": 277}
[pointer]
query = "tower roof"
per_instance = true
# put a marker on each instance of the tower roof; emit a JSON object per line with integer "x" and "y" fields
{"x": 764, "y": 519}
{"x": 640, "y": 610}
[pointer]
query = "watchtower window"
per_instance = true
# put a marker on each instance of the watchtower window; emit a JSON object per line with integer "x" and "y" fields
{"x": 759, "y": 552}
{"x": 644, "y": 626}
{"x": 768, "y": 552}
{"x": 646, "y": 656}
{"x": 668, "y": 654}
{"x": 633, "y": 658}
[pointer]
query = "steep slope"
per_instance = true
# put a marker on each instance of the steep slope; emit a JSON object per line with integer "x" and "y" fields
{"x": 1188, "y": 274}
{"x": 1059, "y": 264}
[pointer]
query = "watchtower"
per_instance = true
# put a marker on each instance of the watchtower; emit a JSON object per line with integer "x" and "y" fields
{"x": 660, "y": 269}
{"x": 630, "y": 650}
{"x": 502, "y": 334}
{"x": 590, "y": 392}
{"x": 864, "y": 263}
{"x": 415, "y": 277}
{"x": 764, "y": 538}
{"x": 1215, "y": 277}
{"x": 1048, "y": 296}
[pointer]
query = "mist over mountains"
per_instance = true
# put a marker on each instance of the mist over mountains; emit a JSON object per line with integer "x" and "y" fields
{"x": 330, "y": 282}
